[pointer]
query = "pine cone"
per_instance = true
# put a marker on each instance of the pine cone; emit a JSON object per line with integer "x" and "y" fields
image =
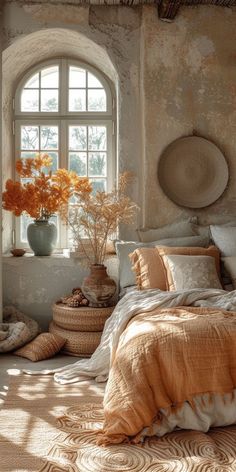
{"x": 76, "y": 291}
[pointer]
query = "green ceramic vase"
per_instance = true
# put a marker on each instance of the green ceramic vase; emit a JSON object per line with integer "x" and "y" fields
{"x": 42, "y": 237}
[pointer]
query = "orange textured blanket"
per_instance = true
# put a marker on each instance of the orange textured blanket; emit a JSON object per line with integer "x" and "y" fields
{"x": 164, "y": 358}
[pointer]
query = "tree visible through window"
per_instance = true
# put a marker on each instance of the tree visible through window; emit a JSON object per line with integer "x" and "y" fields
{"x": 64, "y": 108}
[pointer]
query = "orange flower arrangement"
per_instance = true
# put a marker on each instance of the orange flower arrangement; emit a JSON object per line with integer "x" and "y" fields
{"x": 44, "y": 194}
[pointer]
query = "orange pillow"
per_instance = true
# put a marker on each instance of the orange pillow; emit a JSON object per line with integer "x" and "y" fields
{"x": 150, "y": 269}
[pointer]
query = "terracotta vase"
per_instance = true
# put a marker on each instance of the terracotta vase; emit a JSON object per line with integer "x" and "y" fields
{"x": 98, "y": 287}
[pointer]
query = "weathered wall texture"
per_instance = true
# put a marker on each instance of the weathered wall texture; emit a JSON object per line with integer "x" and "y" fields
{"x": 171, "y": 80}
{"x": 107, "y": 38}
{"x": 189, "y": 74}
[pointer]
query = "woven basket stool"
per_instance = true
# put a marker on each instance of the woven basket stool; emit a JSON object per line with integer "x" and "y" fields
{"x": 81, "y": 318}
{"x": 81, "y": 344}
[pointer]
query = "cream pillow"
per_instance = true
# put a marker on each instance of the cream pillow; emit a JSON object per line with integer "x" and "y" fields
{"x": 224, "y": 238}
{"x": 173, "y": 230}
{"x": 190, "y": 272}
{"x": 230, "y": 266}
{"x": 189, "y": 251}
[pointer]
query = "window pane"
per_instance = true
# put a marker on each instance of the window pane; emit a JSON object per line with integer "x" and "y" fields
{"x": 49, "y": 100}
{"x": 30, "y": 100}
{"x": 33, "y": 82}
{"x": 93, "y": 81}
{"x": 99, "y": 185}
{"x": 77, "y": 100}
{"x": 50, "y": 77}
{"x": 77, "y": 138}
{"x": 30, "y": 137}
{"x": 97, "y": 138}
{"x": 78, "y": 163}
{"x": 96, "y": 100}
{"x": 54, "y": 167}
{"x": 77, "y": 77}
{"x": 25, "y": 220}
{"x": 28, "y": 155}
{"x": 97, "y": 164}
{"x": 49, "y": 137}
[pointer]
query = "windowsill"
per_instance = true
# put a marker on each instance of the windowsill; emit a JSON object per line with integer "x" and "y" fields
{"x": 64, "y": 257}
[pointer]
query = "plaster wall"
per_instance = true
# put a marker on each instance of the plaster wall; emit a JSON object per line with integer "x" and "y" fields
{"x": 171, "y": 80}
{"x": 33, "y": 284}
{"x": 107, "y": 38}
{"x": 189, "y": 77}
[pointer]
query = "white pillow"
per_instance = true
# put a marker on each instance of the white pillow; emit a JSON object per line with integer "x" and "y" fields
{"x": 173, "y": 230}
{"x": 190, "y": 272}
{"x": 124, "y": 248}
{"x": 224, "y": 238}
{"x": 230, "y": 265}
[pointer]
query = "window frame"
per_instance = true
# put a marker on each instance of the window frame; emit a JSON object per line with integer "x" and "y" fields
{"x": 63, "y": 119}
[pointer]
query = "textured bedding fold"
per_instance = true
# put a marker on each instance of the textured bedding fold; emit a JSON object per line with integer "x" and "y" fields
{"x": 164, "y": 358}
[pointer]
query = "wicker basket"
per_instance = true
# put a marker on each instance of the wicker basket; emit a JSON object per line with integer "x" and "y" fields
{"x": 82, "y": 318}
{"x": 77, "y": 343}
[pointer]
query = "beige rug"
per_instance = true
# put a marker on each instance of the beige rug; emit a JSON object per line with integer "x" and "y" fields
{"x": 46, "y": 427}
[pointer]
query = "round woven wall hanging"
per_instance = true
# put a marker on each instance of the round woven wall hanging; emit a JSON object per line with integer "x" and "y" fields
{"x": 193, "y": 172}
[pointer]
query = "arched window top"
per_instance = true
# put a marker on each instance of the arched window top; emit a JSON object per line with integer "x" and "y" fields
{"x": 63, "y": 87}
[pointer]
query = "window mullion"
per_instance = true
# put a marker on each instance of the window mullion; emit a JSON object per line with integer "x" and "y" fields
{"x": 63, "y": 87}
{"x": 64, "y": 164}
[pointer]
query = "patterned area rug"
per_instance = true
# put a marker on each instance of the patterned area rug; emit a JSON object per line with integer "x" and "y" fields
{"x": 46, "y": 427}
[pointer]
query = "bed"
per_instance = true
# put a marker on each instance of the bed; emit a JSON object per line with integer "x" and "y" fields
{"x": 168, "y": 355}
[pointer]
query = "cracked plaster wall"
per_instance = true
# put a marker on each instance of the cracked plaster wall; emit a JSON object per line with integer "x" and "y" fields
{"x": 189, "y": 74}
{"x": 171, "y": 80}
{"x": 106, "y": 38}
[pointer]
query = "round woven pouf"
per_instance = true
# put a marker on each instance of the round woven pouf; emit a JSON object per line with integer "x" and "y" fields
{"x": 78, "y": 343}
{"x": 82, "y": 318}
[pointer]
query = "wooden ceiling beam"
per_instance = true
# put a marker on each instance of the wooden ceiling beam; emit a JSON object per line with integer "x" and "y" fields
{"x": 168, "y": 9}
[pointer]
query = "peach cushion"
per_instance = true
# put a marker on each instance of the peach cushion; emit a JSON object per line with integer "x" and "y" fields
{"x": 150, "y": 269}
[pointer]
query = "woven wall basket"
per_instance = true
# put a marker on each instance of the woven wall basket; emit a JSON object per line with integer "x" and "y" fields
{"x": 82, "y": 318}
{"x": 77, "y": 343}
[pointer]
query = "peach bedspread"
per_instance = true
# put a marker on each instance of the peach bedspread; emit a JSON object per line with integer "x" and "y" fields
{"x": 164, "y": 358}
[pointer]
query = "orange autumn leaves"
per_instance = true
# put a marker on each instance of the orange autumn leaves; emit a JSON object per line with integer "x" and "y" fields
{"x": 45, "y": 192}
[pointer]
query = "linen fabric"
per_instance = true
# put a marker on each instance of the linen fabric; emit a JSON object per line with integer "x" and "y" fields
{"x": 133, "y": 303}
{"x": 172, "y": 230}
{"x": 186, "y": 272}
{"x": 46, "y": 345}
{"x": 151, "y": 271}
{"x": 224, "y": 238}
{"x": 125, "y": 248}
{"x": 230, "y": 266}
{"x": 178, "y": 353}
{"x": 187, "y": 251}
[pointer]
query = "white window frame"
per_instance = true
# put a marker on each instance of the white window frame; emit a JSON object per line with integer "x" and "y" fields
{"x": 63, "y": 119}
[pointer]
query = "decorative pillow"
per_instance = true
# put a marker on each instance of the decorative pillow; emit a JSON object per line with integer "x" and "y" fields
{"x": 125, "y": 248}
{"x": 173, "y": 230}
{"x": 150, "y": 270}
{"x": 224, "y": 238}
{"x": 230, "y": 266}
{"x": 46, "y": 345}
{"x": 189, "y": 251}
{"x": 189, "y": 272}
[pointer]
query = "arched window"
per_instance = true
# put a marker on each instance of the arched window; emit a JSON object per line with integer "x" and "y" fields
{"x": 65, "y": 108}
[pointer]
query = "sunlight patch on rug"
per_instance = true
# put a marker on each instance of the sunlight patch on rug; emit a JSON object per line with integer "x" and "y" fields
{"x": 46, "y": 427}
